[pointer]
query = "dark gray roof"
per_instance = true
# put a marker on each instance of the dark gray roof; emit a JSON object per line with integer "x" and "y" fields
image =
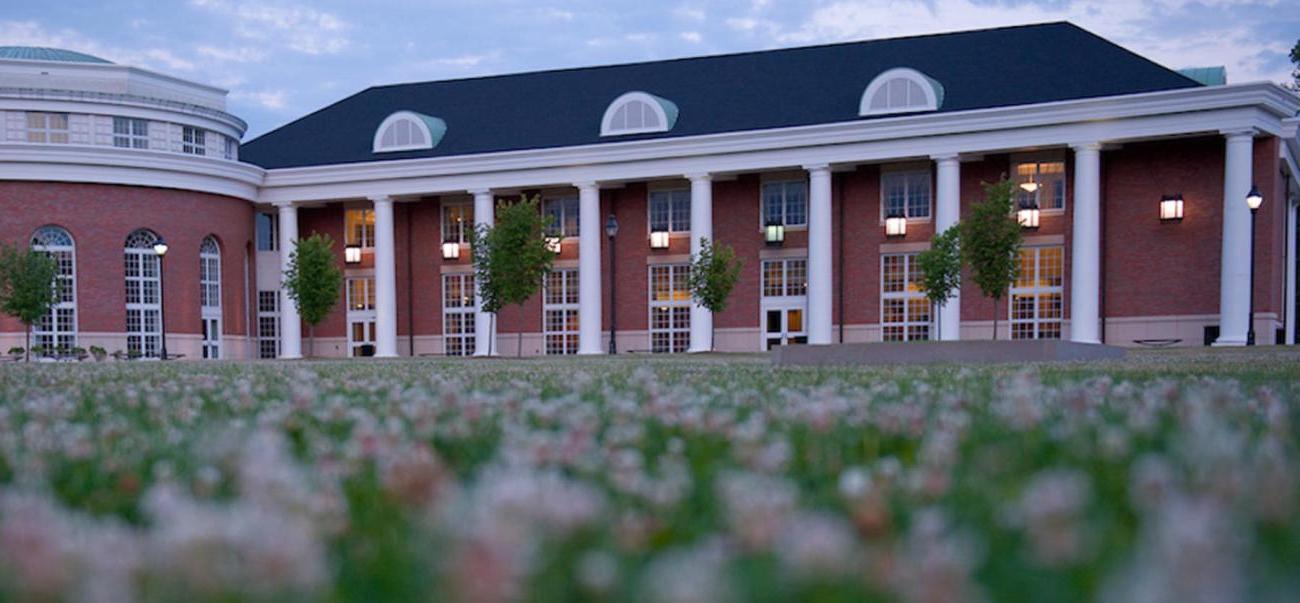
{"x": 725, "y": 93}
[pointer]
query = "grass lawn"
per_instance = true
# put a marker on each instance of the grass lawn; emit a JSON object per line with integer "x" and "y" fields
{"x": 1169, "y": 476}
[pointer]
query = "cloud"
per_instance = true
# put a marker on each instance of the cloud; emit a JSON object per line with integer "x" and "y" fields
{"x": 242, "y": 54}
{"x": 268, "y": 99}
{"x": 689, "y": 13}
{"x": 31, "y": 33}
{"x": 693, "y": 37}
{"x": 297, "y": 27}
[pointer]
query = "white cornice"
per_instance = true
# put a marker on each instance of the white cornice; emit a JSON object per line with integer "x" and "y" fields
{"x": 124, "y": 106}
{"x": 1260, "y": 106}
{"x": 110, "y": 165}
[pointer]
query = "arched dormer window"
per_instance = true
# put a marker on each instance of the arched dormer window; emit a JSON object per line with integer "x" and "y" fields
{"x": 638, "y": 113}
{"x": 408, "y": 131}
{"x": 901, "y": 90}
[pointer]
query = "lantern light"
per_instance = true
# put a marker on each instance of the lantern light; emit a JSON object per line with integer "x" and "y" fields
{"x": 611, "y": 226}
{"x": 160, "y": 247}
{"x": 1171, "y": 208}
{"x": 554, "y": 244}
{"x": 1029, "y": 187}
{"x": 659, "y": 239}
{"x": 1254, "y": 199}
{"x": 1028, "y": 216}
{"x": 895, "y": 225}
{"x": 774, "y": 233}
{"x": 352, "y": 254}
{"x": 451, "y": 250}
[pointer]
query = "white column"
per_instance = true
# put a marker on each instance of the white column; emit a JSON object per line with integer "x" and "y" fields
{"x": 385, "y": 280}
{"x": 290, "y": 322}
{"x": 1085, "y": 265}
{"x": 701, "y": 228}
{"x": 484, "y": 326}
{"x": 1292, "y": 213}
{"x": 947, "y": 213}
{"x": 820, "y": 306}
{"x": 1234, "y": 267}
{"x": 589, "y": 231}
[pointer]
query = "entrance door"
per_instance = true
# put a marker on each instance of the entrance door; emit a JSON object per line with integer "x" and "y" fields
{"x": 211, "y": 337}
{"x": 783, "y": 322}
{"x": 361, "y": 337}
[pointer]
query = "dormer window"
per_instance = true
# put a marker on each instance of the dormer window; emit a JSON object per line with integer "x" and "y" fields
{"x": 408, "y": 131}
{"x": 638, "y": 113}
{"x": 901, "y": 90}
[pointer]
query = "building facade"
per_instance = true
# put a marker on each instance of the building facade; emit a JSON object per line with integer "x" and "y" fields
{"x": 826, "y": 168}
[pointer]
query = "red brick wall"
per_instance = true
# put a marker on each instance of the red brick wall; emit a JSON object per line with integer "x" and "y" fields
{"x": 100, "y": 217}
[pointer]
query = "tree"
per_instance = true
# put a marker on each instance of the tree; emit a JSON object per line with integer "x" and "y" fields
{"x": 28, "y": 287}
{"x": 511, "y": 257}
{"x": 714, "y": 272}
{"x": 313, "y": 281}
{"x": 941, "y": 268}
{"x": 990, "y": 241}
{"x": 1295, "y": 70}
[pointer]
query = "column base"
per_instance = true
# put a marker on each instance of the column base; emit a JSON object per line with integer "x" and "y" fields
{"x": 698, "y": 350}
{"x": 1229, "y": 342}
{"x": 289, "y": 357}
{"x": 1087, "y": 341}
{"x": 386, "y": 356}
{"x": 592, "y": 353}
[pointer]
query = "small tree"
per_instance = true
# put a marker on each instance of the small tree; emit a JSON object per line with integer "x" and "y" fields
{"x": 313, "y": 281}
{"x": 29, "y": 286}
{"x": 941, "y": 269}
{"x": 714, "y": 272}
{"x": 990, "y": 240}
{"x": 511, "y": 258}
{"x": 1294, "y": 84}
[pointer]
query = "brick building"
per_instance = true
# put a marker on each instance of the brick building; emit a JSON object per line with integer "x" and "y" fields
{"x": 827, "y": 168}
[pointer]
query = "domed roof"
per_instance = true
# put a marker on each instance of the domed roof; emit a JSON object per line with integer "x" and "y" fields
{"x": 37, "y": 53}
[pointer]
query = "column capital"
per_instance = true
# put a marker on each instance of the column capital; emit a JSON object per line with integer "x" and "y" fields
{"x": 479, "y": 191}
{"x": 587, "y": 184}
{"x": 700, "y": 177}
{"x": 1245, "y": 132}
{"x": 284, "y": 205}
{"x": 946, "y": 157}
{"x": 1091, "y": 146}
{"x": 380, "y": 198}
{"x": 817, "y": 167}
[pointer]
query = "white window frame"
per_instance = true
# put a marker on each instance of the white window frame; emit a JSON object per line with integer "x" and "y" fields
{"x": 273, "y": 231}
{"x": 1037, "y": 195}
{"x": 668, "y": 332}
{"x": 366, "y": 217}
{"x": 786, "y": 184}
{"x": 457, "y": 231}
{"x": 909, "y": 176}
{"x": 458, "y": 313}
{"x": 1034, "y": 289}
{"x": 929, "y": 100}
{"x": 46, "y": 132}
{"x": 364, "y": 314}
{"x": 139, "y": 254}
{"x": 562, "y": 304}
{"x": 392, "y": 123}
{"x": 912, "y": 328}
{"x": 210, "y": 296}
{"x": 567, "y": 204}
{"x": 642, "y": 101}
{"x": 232, "y": 149}
{"x": 48, "y": 332}
{"x": 268, "y": 324}
{"x": 788, "y": 296}
{"x": 130, "y": 133}
{"x": 194, "y": 140}
{"x": 671, "y": 198}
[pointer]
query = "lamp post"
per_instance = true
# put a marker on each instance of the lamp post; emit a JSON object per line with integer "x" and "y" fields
{"x": 160, "y": 248}
{"x": 1253, "y": 201}
{"x": 611, "y": 230}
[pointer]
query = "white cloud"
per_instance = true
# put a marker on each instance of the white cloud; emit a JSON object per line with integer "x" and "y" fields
{"x": 298, "y": 27}
{"x": 31, "y": 33}
{"x": 689, "y": 13}
{"x": 693, "y": 37}
{"x": 274, "y": 100}
{"x": 241, "y": 54}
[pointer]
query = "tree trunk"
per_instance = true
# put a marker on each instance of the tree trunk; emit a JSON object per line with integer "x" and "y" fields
{"x": 311, "y": 340}
{"x": 995, "y": 319}
{"x": 519, "y": 335}
{"x": 27, "y": 349}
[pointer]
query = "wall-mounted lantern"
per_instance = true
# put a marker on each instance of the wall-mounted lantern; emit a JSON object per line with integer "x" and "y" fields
{"x": 352, "y": 254}
{"x": 554, "y": 244}
{"x": 659, "y": 239}
{"x": 895, "y": 225}
{"x": 1028, "y": 215}
{"x": 1171, "y": 208}
{"x": 774, "y": 233}
{"x": 450, "y": 250}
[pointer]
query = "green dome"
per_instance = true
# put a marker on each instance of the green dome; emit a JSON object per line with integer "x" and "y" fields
{"x": 36, "y": 53}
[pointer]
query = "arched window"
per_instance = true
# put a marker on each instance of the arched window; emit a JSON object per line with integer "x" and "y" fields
{"x": 408, "y": 131}
{"x": 143, "y": 295}
{"x": 210, "y": 296}
{"x": 638, "y": 113}
{"x": 901, "y": 90}
{"x": 57, "y": 331}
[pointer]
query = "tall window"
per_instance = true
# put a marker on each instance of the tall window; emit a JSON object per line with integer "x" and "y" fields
{"x": 670, "y": 210}
{"x": 905, "y": 193}
{"x": 784, "y": 304}
{"x": 785, "y": 203}
{"x": 232, "y": 148}
{"x": 904, "y": 309}
{"x": 47, "y": 127}
{"x": 560, "y": 312}
{"x": 361, "y": 293}
{"x": 457, "y": 222}
{"x": 58, "y": 329}
{"x": 143, "y": 299}
{"x": 670, "y": 308}
{"x": 361, "y": 316}
{"x": 458, "y": 314}
{"x": 193, "y": 141}
{"x": 210, "y": 296}
{"x": 268, "y": 324}
{"x": 1041, "y": 182}
{"x": 1036, "y": 296}
{"x": 268, "y": 231}
{"x": 785, "y": 278}
{"x": 130, "y": 133}
{"x": 563, "y": 215}
{"x": 359, "y": 227}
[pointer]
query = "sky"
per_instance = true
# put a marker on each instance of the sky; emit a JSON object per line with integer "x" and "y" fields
{"x": 282, "y": 59}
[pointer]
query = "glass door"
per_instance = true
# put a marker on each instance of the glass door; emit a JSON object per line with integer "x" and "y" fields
{"x": 783, "y": 323}
{"x": 361, "y": 337}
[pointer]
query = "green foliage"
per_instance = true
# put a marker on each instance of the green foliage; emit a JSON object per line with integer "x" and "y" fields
{"x": 313, "y": 279}
{"x": 990, "y": 240}
{"x": 29, "y": 284}
{"x": 714, "y": 272}
{"x": 1294, "y": 85}
{"x": 511, "y": 257}
{"x": 941, "y": 266}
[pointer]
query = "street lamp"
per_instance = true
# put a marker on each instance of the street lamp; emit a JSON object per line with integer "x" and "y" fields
{"x": 1253, "y": 200}
{"x": 611, "y": 230}
{"x": 160, "y": 248}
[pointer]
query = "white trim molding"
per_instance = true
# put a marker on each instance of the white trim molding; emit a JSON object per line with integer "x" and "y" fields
{"x": 112, "y": 165}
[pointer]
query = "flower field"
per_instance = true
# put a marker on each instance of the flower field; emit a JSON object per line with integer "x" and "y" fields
{"x": 1168, "y": 477}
